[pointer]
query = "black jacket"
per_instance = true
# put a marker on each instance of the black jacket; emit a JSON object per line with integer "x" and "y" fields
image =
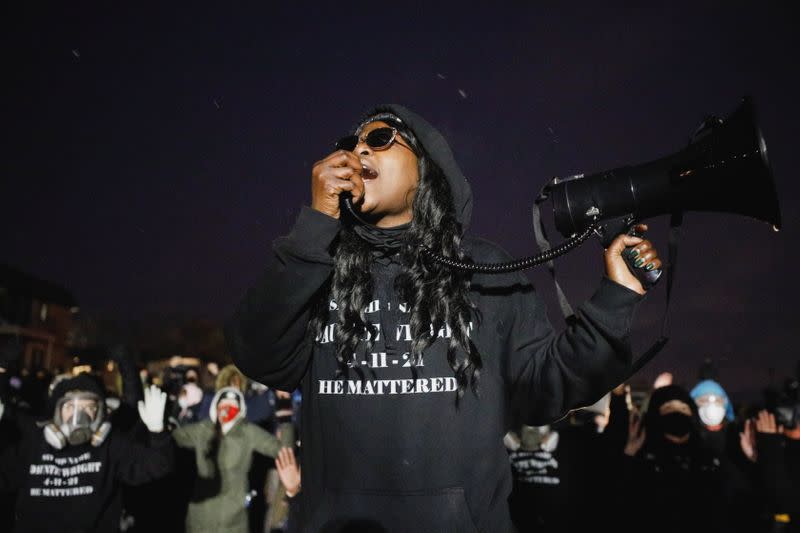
{"x": 395, "y": 454}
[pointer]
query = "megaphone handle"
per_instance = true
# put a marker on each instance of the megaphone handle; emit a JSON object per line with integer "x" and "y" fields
{"x": 648, "y": 278}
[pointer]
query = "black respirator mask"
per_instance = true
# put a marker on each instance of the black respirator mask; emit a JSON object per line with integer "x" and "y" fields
{"x": 79, "y": 418}
{"x": 676, "y": 424}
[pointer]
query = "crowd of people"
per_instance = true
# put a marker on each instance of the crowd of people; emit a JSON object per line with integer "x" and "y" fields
{"x": 680, "y": 459}
{"x": 191, "y": 448}
{"x": 199, "y": 449}
{"x": 412, "y": 373}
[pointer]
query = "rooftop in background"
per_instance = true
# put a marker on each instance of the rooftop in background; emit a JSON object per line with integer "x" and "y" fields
{"x": 17, "y": 281}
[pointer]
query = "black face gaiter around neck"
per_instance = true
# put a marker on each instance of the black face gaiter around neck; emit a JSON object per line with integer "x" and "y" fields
{"x": 385, "y": 240}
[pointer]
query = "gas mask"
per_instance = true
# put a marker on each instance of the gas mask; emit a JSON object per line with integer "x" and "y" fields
{"x": 79, "y": 418}
{"x": 538, "y": 438}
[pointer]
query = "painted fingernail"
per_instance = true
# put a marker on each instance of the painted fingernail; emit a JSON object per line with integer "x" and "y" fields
{"x": 639, "y": 262}
{"x": 633, "y": 253}
{"x": 650, "y": 266}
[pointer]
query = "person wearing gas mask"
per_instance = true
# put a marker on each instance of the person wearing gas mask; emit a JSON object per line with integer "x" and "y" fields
{"x": 537, "y": 498}
{"x": 672, "y": 479}
{"x": 556, "y": 465}
{"x": 69, "y": 473}
{"x": 223, "y": 447}
{"x": 410, "y": 369}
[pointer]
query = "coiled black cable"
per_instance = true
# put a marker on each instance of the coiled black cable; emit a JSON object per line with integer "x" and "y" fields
{"x": 518, "y": 264}
{"x": 494, "y": 268}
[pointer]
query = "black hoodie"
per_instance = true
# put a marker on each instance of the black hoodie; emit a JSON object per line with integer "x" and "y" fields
{"x": 394, "y": 454}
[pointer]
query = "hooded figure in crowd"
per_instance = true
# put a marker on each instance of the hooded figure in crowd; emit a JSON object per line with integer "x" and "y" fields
{"x": 69, "y": 473}
{"x": 409, "y": 369}
{"x": 673, "y": 481}
{"x": 223, "y": 447}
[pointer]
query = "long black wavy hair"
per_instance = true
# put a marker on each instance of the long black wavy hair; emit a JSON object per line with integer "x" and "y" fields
{"x": 436, "y": 296}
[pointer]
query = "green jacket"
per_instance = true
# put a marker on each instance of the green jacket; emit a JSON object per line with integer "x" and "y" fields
{"x": 218, "y": 501}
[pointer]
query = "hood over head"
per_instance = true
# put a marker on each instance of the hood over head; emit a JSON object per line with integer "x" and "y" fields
{"x": 439, "y": 150}
{"x": 654, "y": 422}
{"x": 227, "y": 376}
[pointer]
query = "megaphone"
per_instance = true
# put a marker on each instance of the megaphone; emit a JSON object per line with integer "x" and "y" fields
{"x": 724, "y": 168}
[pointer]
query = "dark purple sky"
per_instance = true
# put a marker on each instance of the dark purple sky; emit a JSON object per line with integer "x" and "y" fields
{"x": 152, "y": 156}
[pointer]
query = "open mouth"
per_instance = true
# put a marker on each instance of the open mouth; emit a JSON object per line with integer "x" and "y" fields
{"x": 368, "y": 173}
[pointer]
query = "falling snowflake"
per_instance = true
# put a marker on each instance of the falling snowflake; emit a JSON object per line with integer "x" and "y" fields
{"x": 76, "y": 53}
{"x": 463, "y": 93}
{"x": 441, "y": 76}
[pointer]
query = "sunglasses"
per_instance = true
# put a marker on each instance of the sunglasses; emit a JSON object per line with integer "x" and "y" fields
{"x": 377, "y": 139}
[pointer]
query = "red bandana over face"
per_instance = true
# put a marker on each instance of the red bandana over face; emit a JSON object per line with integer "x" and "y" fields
{"x": 227, "y": 412}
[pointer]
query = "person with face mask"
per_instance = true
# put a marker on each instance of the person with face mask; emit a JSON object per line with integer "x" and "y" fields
{"x": 713, "y": 405}
{"x": 721, "y": 434}
{"x": 672, "y": 479}
{"x": 68, "y": 474}
{"x": 189, "y": 401}
{"x": 223, "y": 447}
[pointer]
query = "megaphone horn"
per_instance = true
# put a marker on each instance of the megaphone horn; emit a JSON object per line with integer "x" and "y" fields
{"x": 724, "y": 168}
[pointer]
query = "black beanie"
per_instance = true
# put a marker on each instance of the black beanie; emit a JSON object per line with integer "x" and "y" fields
{"x": 81, "y": 382}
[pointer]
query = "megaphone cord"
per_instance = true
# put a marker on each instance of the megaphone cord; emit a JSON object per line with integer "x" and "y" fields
{"x": 518, "y": 264}
{"x": 498, "y": 268}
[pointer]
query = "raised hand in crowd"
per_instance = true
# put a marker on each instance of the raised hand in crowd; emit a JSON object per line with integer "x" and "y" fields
{"x": 765, "y": 423}
{"x": 151, "y": 410}
{"x": 288, "y": 471}
{"x": 662, "y": 380}
{"x": 636, "y": 434}
{"x": 747, "y": 441}
{"x": 777, "y": 459}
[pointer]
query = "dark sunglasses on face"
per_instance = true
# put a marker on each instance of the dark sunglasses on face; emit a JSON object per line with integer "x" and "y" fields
{"x": 377, "y": 139}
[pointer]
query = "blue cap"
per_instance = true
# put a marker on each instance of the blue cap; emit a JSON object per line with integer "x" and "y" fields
{"x": 709, "y": 386}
